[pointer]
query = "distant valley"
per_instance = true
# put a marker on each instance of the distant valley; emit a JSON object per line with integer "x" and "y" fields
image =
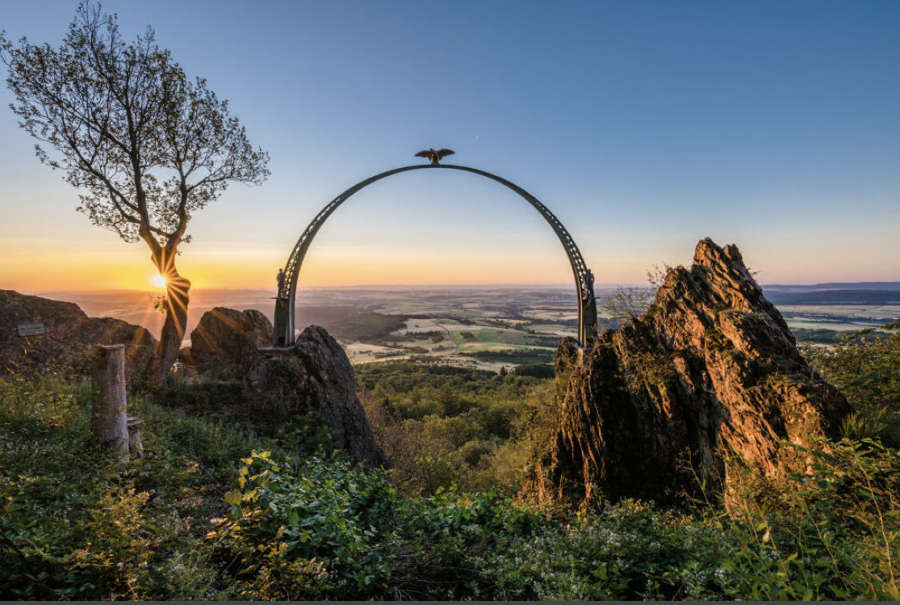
{"x": 487, "y": 327}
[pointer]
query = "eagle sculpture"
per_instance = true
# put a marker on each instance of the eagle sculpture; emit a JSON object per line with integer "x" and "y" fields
{"x": 433, "y": 156}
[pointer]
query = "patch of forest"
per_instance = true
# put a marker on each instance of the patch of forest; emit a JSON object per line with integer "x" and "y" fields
{"x": 349, "y": 323}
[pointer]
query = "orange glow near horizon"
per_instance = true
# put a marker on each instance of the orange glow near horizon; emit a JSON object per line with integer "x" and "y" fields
{"x": 114, "y": 266}
{"x": 128, "y": 271}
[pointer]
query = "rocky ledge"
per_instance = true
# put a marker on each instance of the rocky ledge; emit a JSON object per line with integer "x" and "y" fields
{"x": 68, "y": 336}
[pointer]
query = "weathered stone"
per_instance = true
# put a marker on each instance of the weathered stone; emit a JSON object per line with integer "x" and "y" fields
{"x": 225, "y": 342}
{"x": 69, "y": 338}
{"x": 274, "y": 387}
{"x": 135, "y": 437}
{"x": 709, "y": 374}
{"x": 314, "y": 375}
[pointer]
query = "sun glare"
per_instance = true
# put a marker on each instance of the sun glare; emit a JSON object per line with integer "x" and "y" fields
{"x": 159, "y": 281}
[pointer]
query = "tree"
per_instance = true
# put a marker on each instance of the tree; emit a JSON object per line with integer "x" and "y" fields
{"x": 627, "y": 304}
{"x": 145, "y": 145}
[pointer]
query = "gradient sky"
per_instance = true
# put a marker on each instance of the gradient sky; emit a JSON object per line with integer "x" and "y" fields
{"x": 644, "y": 126}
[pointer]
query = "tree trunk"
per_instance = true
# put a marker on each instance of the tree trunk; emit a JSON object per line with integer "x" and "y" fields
{"x": 108, "y": 406}
{"x": 177, "y": 299}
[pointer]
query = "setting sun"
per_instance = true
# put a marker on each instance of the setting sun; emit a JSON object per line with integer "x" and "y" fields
{"x": 159, "y": 281}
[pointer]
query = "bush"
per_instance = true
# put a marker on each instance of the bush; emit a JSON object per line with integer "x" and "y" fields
{"x": 865, "y": 366}
{"x": 444, "y": 426}
{"x": 630, "y": 551}
{"x": 330, "y": 530}
{"x": 76, "y": 525}
{"x": 307, "y": 534}
{"x": 831, "y": 533}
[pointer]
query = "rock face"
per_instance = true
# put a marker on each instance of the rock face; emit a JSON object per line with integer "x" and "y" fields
{"x": 69, "y": 338}
{"x": 652, "y": 408}
{"x": 315, "y": 375}
{"x": 277, "y": 386}
{"x": 226, "y": 341}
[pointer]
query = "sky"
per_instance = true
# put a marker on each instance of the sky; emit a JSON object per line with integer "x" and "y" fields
{"x": 644, "y": 126}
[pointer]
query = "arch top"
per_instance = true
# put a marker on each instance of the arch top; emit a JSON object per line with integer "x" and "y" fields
{"x": 290, "y": 275}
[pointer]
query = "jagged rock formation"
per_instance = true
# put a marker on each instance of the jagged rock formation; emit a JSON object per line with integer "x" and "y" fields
{"x": 226, "y": 341}
{"x": 315, "y": 374}
{"x": 708, "y": 375}
{"x": 272, "y": 387}
{"x": 69, "y": 338}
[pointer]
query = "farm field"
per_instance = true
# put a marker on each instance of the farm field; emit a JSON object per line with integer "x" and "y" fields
{"x": 477, "y": 328}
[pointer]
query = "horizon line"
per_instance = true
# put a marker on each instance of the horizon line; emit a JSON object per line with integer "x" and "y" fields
{"x": 440, "y": 286}
{"x": 349, "y": 287}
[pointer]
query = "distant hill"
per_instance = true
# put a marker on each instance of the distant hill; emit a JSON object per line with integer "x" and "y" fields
{"x": 861, "y": 293}
{"x": 862, "y": 285}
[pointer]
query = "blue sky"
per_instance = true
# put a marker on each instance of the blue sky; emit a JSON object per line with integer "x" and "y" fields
{"x": 644, "y": 126}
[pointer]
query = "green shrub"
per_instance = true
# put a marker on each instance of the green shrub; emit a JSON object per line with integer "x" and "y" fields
{"x": 629, "y": 551}
{"x": 443, "y": 426}
{"x": 865, "y": 366}
{"x": 831, "y": 533}
{"x": 307, "y": 534}
{"x": 77, "y": 525}
{"x": 330, "y": 530}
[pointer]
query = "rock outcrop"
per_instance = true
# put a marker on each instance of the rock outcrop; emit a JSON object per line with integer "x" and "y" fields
{"x": 315, "y": 375}
{"x": 709, "y": 375}
{"x": 69, "y": 336}
{"x": 226, "y": 341}
{"x": 272, "y": 387}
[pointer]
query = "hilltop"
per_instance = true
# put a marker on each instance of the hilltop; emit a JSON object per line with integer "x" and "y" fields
{"x": 245, "y": 497}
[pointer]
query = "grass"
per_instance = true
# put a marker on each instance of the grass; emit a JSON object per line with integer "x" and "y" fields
{"x": 76, "y": 525}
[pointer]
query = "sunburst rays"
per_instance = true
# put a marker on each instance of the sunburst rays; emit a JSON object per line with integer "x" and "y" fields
{"x": 177, "y": 289}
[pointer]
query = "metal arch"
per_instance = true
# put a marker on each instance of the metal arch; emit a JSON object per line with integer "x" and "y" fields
{"x": 584, "y": 280}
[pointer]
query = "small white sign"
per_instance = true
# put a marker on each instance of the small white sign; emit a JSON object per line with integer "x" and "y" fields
{"x": 30, "y": 329}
